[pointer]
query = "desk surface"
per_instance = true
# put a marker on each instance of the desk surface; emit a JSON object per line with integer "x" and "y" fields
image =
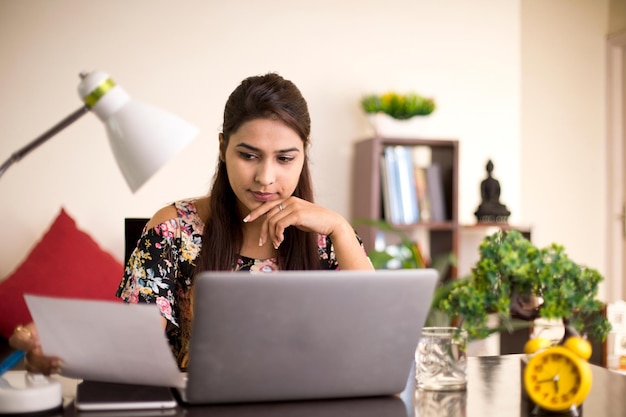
{"x": 494, "y": 389}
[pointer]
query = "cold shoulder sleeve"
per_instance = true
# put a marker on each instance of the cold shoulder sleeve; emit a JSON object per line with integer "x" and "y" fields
{"x": 150, "y": 274}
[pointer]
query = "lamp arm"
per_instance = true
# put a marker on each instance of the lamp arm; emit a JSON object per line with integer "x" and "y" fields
{"x": 19, "y": 154}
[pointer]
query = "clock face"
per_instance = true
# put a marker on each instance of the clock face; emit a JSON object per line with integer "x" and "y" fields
{"x": 556, "y": 379}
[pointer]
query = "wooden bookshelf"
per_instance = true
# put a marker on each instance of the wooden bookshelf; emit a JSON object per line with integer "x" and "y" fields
{"x": 367, "y": 195}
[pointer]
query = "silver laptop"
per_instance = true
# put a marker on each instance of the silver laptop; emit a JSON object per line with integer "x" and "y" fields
{"x": 296, "y": 335}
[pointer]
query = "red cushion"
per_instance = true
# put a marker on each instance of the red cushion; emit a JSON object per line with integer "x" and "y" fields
{"x": 67, "y": 262}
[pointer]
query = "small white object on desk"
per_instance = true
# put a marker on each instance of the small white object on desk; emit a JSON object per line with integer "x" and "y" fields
{"x": 23, "y": 392}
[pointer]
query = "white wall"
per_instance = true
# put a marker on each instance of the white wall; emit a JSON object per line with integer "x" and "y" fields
{"x": 188, "y": 56}
{"x": 563, "y": 125}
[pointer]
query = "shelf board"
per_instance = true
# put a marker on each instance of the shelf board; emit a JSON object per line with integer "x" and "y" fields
{"x": 425, "y": 225}
{"x": 481, "y": 227}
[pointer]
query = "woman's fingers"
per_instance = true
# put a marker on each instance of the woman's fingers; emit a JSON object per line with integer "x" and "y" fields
{"x": 272, "y": 210}
{"x": 265, "y": 209}
{"x": 272, "y": 231}
{"x": 293, "y": 211}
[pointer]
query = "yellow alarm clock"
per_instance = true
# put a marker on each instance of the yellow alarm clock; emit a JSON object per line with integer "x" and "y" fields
{"x": 558, "y": 378}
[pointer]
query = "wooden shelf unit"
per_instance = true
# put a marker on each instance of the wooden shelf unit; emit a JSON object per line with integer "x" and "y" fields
{"x": 367, "y": 196}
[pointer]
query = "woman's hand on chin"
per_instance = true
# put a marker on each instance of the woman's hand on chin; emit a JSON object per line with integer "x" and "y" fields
{"x": 310, "y": 217}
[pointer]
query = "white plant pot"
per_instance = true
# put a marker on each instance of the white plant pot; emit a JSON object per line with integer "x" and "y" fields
{"x": 383, "y": 125}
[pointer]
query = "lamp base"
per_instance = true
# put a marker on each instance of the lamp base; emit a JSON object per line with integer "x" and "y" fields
{"x": 23, "y": 392}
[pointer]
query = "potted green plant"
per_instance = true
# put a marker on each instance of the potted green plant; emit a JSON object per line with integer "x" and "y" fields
{"x": 518, "y": 281}
{"x": 399, "y": 106}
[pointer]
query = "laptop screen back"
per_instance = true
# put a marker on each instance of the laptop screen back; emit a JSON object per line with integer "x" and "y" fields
{"x": 295, "y": 335}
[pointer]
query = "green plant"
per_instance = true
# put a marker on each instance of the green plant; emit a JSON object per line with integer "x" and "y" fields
{"x": 510, "y": 272}
{"x": 398, "y": 106}
{"x": 407, "y": 254}
{"x": 513, "y": 279}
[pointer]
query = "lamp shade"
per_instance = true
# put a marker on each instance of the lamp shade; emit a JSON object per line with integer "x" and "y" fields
{"x": 143, "y": 137}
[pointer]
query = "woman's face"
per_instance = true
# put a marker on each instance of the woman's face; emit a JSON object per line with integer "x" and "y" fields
{"x": 264, "y": 159}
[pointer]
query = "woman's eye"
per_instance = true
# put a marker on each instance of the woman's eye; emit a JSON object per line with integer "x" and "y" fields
{"x": 286, "y": 158}
{"x": 246, "y": 155}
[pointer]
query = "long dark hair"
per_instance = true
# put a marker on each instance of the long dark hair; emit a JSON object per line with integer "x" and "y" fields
{"x": 267, "y": 96}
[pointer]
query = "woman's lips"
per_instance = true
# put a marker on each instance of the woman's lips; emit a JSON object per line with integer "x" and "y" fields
{"x": 262, "y": 196}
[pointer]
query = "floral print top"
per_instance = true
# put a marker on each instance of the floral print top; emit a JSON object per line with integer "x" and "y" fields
{"x": 161, "y": 270}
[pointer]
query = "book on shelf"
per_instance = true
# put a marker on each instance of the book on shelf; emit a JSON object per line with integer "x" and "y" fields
{"x": 384, "y": 189}
{"x": 434, "y": 186}
{"x": 394, "y": 212}
{"x": 421, "y": 190}
{"x": 411, "y": 191}
{"x": 406, "y": 185}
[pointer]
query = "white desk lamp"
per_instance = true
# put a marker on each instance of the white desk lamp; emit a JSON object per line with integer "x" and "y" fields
{"x": 143, "y": 138}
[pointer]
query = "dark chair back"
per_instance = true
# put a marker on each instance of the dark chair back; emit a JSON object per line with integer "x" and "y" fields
{"x": 132, "y": 232}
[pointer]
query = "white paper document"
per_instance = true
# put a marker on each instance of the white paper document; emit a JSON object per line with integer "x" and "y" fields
{"x": 105, "y": 340}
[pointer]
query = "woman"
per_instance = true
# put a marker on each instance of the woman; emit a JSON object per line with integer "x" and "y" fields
{"x": 259, "y": 216}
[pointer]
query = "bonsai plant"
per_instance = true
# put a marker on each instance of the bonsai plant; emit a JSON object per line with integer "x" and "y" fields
{"x": 518, "y": 281}
{"x": 398, "y": 106}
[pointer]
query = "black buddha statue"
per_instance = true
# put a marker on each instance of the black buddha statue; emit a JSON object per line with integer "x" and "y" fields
{"x": 490, "y": 209}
